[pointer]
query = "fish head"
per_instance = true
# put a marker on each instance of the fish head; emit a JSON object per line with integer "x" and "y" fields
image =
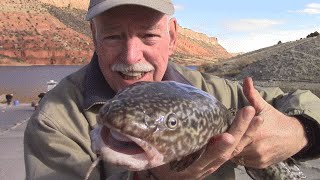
{"x": 152, "y": 123}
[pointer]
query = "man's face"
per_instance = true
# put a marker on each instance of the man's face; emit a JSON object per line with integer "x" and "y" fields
{"x": 133, "y": 44}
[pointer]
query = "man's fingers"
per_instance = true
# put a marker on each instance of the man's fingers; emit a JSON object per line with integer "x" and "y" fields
{"x": 218, "y": 146}
{"x": 247, "y": 138}
{"x": 217, "y": 153}
{"x": 210, "y": 171}
{"x": 253, "y": 95}
{"x": 241, "y": 123}
{"x": 221, "y": 148}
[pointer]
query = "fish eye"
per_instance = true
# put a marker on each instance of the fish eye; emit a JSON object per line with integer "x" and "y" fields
{"x": 172, "y": 121}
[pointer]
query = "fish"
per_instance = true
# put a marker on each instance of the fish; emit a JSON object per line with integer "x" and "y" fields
{"x": 149, "y": 124}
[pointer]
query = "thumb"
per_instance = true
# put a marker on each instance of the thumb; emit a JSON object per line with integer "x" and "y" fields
{"x": 253, "y": 95}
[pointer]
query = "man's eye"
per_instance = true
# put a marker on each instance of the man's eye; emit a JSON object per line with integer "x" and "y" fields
{"x": 113, "y": 37}
{"x": 151, "y": 35}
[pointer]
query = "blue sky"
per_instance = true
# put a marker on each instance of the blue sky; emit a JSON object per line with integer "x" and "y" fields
{"x": 246, "y": 25}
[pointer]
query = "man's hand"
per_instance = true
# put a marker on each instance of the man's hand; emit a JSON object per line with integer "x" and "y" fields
{"x": 279, "y": 138}
{"x": 259, "y": 136}
{"x": 219, "y": 150}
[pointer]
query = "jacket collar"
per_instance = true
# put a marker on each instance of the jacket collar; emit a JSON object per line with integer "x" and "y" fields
{"x": 97, "y": 90}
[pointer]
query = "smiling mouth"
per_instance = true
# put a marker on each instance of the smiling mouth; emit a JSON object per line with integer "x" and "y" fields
{"x": 132, "y": 75}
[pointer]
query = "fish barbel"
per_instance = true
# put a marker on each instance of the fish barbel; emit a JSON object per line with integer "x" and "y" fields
{"x": 149, "y": 124}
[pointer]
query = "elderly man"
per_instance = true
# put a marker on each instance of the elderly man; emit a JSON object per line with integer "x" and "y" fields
{"x": 133, "y": 40}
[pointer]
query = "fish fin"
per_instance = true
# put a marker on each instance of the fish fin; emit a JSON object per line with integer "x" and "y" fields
{"x": 180, "y": 165}
{"x": 231, "y": 115}
{"x": 232, "y": 111}
{"x": 284, "y": 170}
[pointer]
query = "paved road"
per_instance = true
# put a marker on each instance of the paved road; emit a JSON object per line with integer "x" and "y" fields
{"x": 13, "y": 115}
{"x": 11, "y": 153}
{"x": 13, "y": 121}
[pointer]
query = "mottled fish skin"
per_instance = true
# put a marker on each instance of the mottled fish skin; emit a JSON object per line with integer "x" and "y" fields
{"x": 142, "y": 111}
{"x": 286, "y": 170}
{"x": 178, "y": 120}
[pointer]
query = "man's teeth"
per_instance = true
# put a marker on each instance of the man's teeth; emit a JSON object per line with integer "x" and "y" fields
{"x": 133, "y": 73}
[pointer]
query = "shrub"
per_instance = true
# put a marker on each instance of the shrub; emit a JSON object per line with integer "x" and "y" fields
{"x": 314, "y": 34}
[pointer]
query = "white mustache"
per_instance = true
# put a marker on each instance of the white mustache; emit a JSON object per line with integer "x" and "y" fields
{"x": 138, "y": 67}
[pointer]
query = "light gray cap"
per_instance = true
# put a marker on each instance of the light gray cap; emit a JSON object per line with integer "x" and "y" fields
{"x": 97, "y": 7}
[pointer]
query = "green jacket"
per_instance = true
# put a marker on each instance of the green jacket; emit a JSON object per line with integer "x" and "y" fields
{"x": 57, "y": 141}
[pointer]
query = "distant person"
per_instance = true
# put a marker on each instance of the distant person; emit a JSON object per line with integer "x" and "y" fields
{"x": 9, "y": 98}
{"x": 133, "y": 40}
{"x": 41, "y": 95}
{"x": 36, "y": 104}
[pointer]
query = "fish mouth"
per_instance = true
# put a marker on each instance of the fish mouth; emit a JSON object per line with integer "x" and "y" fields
{"x": 123, "y": 150}
{"x": 119, "y": 142}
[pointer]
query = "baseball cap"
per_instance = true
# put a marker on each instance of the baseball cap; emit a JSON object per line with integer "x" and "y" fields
{"x": 97, "y": 7}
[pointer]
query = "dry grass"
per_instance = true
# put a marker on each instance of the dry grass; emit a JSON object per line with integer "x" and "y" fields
{"x": 292, "y": 65}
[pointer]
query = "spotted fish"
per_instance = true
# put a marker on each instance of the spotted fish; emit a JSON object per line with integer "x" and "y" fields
{"x": 150, "y": 124}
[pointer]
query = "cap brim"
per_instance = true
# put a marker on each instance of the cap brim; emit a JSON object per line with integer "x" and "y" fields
{"x": 162, "y": 6}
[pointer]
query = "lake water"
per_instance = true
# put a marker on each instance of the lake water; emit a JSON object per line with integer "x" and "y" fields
{"x": 26, "y": 82}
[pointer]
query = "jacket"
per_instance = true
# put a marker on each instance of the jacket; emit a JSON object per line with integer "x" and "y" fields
{"x": 57, "y": 143}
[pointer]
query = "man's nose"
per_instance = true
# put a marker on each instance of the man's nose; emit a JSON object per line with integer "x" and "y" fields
{"x": 133, "y": 50}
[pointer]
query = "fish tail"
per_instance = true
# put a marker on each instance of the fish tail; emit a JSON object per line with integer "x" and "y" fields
{"x": 285, "y": 170}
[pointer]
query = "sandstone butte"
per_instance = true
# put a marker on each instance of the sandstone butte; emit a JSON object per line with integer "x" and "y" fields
{"x": 33, "y": 32}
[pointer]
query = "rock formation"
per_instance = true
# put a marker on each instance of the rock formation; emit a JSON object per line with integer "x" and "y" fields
{"x": 54, "y": 32}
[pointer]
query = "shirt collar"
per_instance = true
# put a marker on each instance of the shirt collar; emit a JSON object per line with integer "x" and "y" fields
{"x": 97, "y": 90}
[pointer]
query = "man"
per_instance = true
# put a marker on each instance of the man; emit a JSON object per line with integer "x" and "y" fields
{"x": 9, "y": 98}
{"x": 133, "y": 40}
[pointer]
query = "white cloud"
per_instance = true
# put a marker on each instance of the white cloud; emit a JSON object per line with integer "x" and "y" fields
{"x": 178, "y": 7}
{"x": 248, "y": 25}
{"x": 311, "y": 8}
{"x": 257, "y": 40}
{"x": 313, "y": 5}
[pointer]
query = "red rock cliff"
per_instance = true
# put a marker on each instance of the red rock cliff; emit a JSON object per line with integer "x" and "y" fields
{"x": 32, "y": 32}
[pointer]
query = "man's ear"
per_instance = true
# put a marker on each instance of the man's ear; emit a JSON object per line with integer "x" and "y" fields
{"x": 173, "y": 35}
{"x": 93, "y": 32}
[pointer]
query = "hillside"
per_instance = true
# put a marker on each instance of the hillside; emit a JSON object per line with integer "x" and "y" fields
{"x": 288, "y": 65}
{"x": 54, "y": 32}
{"x": 198, "y": 48}
{"x": 30, "y": 35}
